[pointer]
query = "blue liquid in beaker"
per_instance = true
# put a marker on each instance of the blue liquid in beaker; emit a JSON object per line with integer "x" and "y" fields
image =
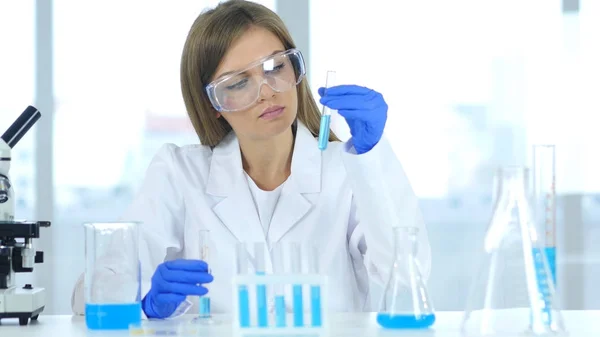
{"x": 112, "y": 316}
{"x": 405, "y": 321}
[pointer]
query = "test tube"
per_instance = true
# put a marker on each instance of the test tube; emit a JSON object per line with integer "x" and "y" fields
{"x": 204, "y": 237}
{"x": 261, "y": 289}
{"x": 326, "y": 116}
{"x": 315, "y": 289}
{"x": 243, "y": 295}
{"x": 296, "y": 263}
{"x": 278, "y": 268}
{"x": 544, "y": 192}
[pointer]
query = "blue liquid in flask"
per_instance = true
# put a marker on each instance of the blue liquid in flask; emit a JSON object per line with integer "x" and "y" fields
{"x": 112, "y": 316}
{"x": 405, "y": 321}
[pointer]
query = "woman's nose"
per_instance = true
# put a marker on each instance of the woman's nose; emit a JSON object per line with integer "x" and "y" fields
{"x": 266, "y": 91}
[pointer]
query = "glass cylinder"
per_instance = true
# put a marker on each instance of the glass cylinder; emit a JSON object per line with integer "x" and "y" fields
{"x": 514, "y": 283}
{"x": 112, "y": 276}
{"x": 544, "y": 199}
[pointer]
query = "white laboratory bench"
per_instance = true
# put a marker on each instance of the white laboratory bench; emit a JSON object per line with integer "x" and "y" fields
{"x": 579, "y": 324}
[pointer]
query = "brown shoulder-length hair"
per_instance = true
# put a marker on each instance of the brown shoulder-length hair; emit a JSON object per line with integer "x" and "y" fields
{"x": 211, "y": 35}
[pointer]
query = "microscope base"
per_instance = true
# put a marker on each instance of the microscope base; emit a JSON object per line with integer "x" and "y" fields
{"x": 21, "y": 303}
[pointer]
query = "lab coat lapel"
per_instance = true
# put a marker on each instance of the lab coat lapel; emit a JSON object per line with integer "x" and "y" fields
{"x": 305, "y": 178}
{"x": 226, "y": 179}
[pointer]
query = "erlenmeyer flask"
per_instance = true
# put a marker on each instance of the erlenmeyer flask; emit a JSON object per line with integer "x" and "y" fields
{"x": 512, "y": 293}
{"x": 405, "y": 302}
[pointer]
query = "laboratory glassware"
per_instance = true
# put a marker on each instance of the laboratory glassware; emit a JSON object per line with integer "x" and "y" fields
{"x": 277, "y": 253}
{"x": 512, "y": 292}
{"x": 205, "y": 316}
{"x": 544, "y": 200}
{"x": 326, "y": 115}
{"x": 112, "y": 276}
{"x": 293, "y": 270}
{"x": 297, "y": 297}
{"x": 261, "y": 289}
{"x": 243, "y": 293}
{"x": 312, "y": 256}
{"x": 405, "y": 303}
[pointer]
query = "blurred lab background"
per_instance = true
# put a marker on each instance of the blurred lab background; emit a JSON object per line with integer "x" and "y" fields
{"x": 471, "y": 85}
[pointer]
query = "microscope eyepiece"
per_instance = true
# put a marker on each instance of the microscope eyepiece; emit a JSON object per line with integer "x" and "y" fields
{"x": 21, "y": 126}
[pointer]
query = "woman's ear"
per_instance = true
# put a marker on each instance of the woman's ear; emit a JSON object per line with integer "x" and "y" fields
{"x": 218, "y": 114}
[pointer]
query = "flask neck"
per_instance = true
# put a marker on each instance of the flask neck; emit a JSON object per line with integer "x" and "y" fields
{"x": 405, "y": 241}
{"x": 512, "y": 178}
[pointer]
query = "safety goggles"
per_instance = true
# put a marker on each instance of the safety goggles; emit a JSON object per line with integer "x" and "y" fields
{"x": 239, "y": 90}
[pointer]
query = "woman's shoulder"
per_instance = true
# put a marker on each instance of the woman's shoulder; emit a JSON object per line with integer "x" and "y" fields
{"x": 175, "y": 157}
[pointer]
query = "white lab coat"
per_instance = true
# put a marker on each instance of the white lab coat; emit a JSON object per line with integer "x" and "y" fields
{"x": 346, "y": 204}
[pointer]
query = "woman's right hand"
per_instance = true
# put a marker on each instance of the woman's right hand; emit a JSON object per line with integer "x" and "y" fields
{"x": 172, "y": 282}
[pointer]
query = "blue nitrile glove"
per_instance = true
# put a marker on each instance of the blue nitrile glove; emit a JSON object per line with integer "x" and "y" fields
{"x": 364, "y": 109}
{"x": 171, "y": 283}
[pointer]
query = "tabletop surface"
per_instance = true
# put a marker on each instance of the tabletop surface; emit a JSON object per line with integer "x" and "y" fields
{"x": 578, "y": 323}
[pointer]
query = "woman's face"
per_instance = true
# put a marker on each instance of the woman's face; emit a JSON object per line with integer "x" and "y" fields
{"x": 273, "y": 112}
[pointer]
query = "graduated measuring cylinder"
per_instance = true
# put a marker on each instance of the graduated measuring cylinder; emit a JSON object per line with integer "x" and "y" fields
{"x": 544, "y": 196}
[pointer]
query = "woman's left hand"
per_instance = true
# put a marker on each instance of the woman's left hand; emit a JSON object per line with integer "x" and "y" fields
{"x": 364, "y": 109}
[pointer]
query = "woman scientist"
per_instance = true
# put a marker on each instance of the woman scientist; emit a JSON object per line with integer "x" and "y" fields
{"x": 259, "y": 175}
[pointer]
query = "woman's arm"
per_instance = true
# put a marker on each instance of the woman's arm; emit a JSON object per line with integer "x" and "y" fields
{"x": 383, "y": 198}
{"x": 159, "y": 208}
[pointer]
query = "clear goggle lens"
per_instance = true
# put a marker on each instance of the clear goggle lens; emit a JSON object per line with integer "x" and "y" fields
{"x": 238, "y": 91}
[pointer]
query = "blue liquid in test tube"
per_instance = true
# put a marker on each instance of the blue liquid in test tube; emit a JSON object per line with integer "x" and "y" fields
{"x": 280, "y": 311}
{"x": 324, "y": 131}
{"x": 298, "y": 305}
{"x": 204, "y": 302}
{"x": 205, "y": 306}
{"x": 326, "y": 116}
{"x": 244, "y": 304}
{"x": 261, "y": 303}
{"x": 315, "y": 289}
{"x": 297, "y": 299}
{"x": 278, "y": 268}
{"x": 243, "y": 295}
{"x": 261, "y": 289}
{"x": 315, "y": 305}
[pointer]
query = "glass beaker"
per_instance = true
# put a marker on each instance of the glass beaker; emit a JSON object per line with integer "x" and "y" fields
{"x": 112, "y": 276}
{"x": 512, "y": 293}
{"x": 405, "y": 302}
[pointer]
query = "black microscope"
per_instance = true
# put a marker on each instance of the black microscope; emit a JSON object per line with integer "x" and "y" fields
{"x": 17, "y": 254}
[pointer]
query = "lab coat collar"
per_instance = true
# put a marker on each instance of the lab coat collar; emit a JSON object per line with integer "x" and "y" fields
{"x": 237, "y": 211}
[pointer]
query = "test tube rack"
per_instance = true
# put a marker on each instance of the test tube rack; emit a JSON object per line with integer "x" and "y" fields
{"x": 310, "y": 318}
